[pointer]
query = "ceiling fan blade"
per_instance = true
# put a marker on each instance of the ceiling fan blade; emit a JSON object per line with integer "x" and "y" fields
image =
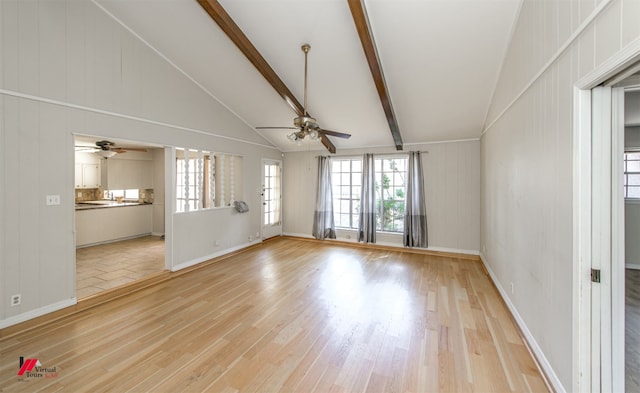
{"x": 335, "y": 133}
{"x": 276, "y": 128}
{"x": 126, "y": 149}
{"x": 86, "y": 149}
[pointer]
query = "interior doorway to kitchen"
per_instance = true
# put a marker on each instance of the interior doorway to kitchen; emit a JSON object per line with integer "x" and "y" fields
{"x": 119, "y": 213}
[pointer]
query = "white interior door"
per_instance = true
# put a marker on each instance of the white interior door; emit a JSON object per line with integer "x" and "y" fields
{"x": 271, "y": 198}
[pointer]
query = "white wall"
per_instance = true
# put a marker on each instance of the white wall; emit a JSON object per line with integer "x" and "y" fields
{"x": 526, "y": 150}
{"x": 158, "y": 192}
{"x": 452, "y": 187}
{"x": 632, "y": 108}
{"x": 66, "y": 67}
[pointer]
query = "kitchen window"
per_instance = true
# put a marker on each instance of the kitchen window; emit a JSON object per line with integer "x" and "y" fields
{"x": 129, "y": 195}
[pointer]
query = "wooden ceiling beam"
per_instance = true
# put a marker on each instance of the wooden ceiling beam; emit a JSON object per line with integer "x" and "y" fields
{"x": 232, "y": 30}
{"x": 363, "y": 27}
{"x": 327, "y": 143}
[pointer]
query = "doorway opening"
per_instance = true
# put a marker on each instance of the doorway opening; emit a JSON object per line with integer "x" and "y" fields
{"x": 631, "y": 232}
{"x": 119, "y": 213}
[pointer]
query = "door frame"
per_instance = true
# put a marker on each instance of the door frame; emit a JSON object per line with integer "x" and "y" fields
{"x": 598, "y": 347}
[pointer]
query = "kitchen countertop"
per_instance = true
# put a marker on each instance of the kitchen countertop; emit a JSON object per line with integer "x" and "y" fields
{"x": 87, "y": 205}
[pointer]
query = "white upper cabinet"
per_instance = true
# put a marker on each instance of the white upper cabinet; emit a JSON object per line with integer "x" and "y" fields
{"x": 87, "y": 174}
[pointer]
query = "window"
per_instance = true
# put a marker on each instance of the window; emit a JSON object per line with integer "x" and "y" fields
{"x": 390, "y": 193}
{"x": 132, "y": 194}
{"x": 632, "y": 175}
{"x": 346, "y": 178}
{"x": 206, "y": 180}
{"x": 187, "y": 196}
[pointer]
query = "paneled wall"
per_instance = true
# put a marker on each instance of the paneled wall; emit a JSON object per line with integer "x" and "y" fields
{"x": 526, "y": 151}
{"x": 66, "y": 67}
{"x": 452, "y": 187}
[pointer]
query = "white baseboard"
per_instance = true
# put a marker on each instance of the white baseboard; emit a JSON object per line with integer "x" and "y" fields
{"x": 633, "y": 266}
{"x": 205, "y": 258}
{"x": 38, "y": 312}
{"x": 542, "y": 360}
{"x": 305, "y": 235}
{"x": 120, "y": 239}
{"x": 390, "y": 244}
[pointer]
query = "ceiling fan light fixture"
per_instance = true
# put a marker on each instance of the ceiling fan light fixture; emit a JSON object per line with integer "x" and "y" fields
{"x": 106, "y": 153}
{"x": 292, "y": 137}
{"x": 313, "y": 134}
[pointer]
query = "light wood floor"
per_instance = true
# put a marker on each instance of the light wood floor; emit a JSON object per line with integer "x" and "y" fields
{"x": 290, "y": 316}
{"x": 632, "y": 330}
{"x": 108, "y": 266}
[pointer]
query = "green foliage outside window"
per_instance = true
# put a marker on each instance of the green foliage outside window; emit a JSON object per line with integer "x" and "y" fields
{"x": 390, "y": 194}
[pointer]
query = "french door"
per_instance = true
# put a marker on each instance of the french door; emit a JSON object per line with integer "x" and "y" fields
{"x": 271, "y": 198}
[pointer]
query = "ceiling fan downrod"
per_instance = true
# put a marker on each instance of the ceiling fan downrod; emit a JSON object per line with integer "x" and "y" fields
{"x": 305, "y": 48}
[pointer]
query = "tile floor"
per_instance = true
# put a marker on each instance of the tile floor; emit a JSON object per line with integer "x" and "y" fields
{"x": 107, "y": 266}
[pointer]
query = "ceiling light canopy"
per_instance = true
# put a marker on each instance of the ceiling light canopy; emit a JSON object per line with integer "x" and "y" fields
{"x": 106, "y": 153}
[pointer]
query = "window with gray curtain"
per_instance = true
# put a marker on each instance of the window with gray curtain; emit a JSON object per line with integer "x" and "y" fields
{"x": 415, "y": 218}
{"x": 323, "y": 222}
{"x": 367, "y": 227}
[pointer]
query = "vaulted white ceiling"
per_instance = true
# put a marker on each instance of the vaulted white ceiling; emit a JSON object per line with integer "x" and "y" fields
{"x": 441, "y": 61}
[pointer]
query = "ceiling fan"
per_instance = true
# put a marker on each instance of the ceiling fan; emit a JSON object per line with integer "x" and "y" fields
{"x": 306, "y": 125}
{"x": 107, "y": 149}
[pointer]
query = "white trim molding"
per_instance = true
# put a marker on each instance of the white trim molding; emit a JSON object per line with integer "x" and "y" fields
{"x": 549, "y": 374}
{"x": 205, "y": 258}
{"x": 590, "y": 19}
{"x": 45, "y": 100}
{"x": 38, "y": 312}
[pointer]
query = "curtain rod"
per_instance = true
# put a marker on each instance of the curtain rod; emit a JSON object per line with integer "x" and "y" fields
{"x": 375, "y": 154}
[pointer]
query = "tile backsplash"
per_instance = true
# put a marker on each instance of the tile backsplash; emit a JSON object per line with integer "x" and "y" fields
{"x": 88, "y": 194}
{"x": 94, "y": 194}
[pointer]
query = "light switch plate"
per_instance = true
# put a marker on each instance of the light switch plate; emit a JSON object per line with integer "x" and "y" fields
{"x": 53, "y": 200}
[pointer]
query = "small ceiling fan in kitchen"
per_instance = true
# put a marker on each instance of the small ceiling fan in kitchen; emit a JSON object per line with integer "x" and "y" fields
{"x": 106, "y": 149}
{"x": 306, "y": 125}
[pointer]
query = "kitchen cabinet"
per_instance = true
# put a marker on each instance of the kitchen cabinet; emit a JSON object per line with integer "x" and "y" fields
{"x": 95, "y": 226}
{"x": 87, "y": 175}
{"x": 127, "y": 174}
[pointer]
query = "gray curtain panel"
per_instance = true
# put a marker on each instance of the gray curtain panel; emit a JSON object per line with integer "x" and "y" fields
{"x": 367, "y": 227}
{"x": 323, "y": 223}
{"x": 415, "y": 216}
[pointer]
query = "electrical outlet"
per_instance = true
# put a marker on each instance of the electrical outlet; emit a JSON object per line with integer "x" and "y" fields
{"x": 79, "y": 194}
{"x": 16, "y": 300}
{"x": 512, "y": 288}
{"x": 250, "y": 238}
{"x": 257, "y": 235}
